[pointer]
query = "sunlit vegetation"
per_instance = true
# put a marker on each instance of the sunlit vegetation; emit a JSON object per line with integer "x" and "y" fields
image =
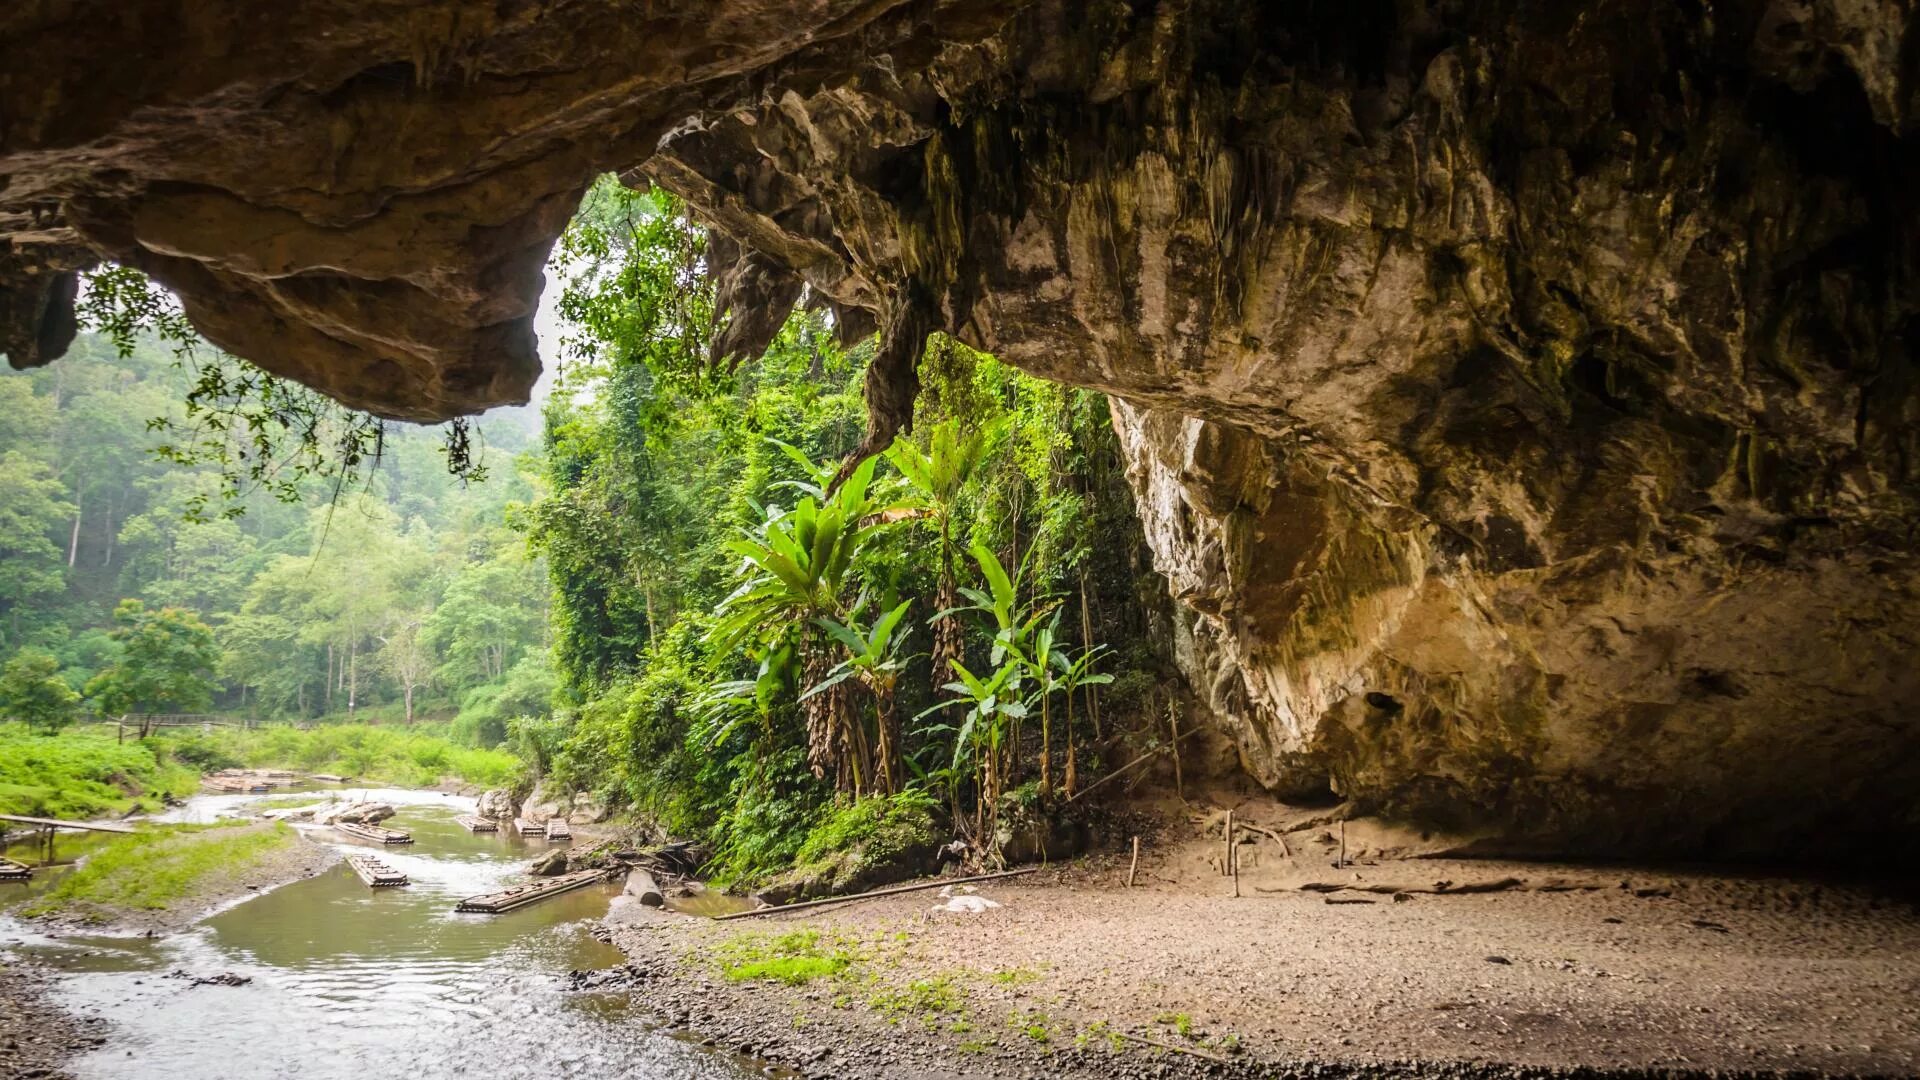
{"x": 397, "y": 592}
{"x": 687, "y": 597}
{"x": 85, "y": 774}
{"x": 751, "y": 635}
{"x": 420, "y": 756}
{"x": 160, "y": 866}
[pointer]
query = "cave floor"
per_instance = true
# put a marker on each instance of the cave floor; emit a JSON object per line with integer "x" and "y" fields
{"x": 1561, "y": 967}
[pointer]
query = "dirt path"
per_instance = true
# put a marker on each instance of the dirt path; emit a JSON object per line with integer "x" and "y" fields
{"x": 1625, "y": 970}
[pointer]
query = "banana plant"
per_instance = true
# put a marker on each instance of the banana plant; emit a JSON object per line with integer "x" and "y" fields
{"x": 994, "y": 703}
{"x": 875, "y": 662}
{"x": 1076, "y": 673}
{"x": 1013, "y": 623}
{"x": 793, "y": 571}
{"x": 938, "y": 475}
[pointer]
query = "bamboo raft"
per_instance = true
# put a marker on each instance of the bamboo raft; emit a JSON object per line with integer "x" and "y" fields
{"x": 376, "y": 873}
{"x": 14, "y": 871}
{"x": 559, "y": 830}
{"x": 329, "y": 778}
{"x": 476, "y": 823}
{"x": 532, "y": 892}
{"x": 528, "y": 828}
{"x": 374, "y": 833}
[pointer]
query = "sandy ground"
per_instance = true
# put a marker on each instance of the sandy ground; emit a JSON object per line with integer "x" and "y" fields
{"x": 1615, "y": 969}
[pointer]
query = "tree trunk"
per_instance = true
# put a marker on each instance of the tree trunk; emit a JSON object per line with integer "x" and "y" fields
{"x": 1046, "y": 744}
{"x": 73, "y": 541}
{"x": 887, "y": 779}
{"x": 408, "y": 693}
{"x": 816, "y": 662}
{"x": 353, "y": 675}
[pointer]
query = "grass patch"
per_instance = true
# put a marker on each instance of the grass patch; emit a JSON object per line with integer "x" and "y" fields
{"x": 929, "y": 999}
{"x": 1014, "y": 976}
{"x": 1037, "y": 1026}
{"x": 83, "y": 774}
{"x": 1181, "y": 1023}
{"x": 156, "y": 868}
{"x": 418, "y": 756}
{"x": 794, "y": 959}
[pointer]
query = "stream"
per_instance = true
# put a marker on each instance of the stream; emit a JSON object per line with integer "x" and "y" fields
{"x": 349, "y": 981}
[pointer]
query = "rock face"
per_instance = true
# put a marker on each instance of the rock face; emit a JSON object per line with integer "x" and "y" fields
{"x": 1521, "y": 395}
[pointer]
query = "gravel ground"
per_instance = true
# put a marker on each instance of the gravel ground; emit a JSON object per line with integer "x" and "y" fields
{"x": 35, "y": 1036}
{"x": 1614, "y": 971}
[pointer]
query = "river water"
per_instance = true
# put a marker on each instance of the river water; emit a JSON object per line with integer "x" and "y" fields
{"x": 349, "y": 981}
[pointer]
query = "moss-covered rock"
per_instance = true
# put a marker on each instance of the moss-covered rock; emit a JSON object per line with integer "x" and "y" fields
{"x": 860, "y": 845}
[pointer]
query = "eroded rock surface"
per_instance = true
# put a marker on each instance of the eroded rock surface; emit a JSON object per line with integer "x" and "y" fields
{"x": 1521, "y": 394}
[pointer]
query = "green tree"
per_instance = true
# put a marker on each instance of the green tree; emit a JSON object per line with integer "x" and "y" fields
{"x": 167, "y": 664}
{"x": 31, "y": 690}
{"x": 939, "y": 474}
{"x": 794, "y": 573}
{"x": 32, "y": 509}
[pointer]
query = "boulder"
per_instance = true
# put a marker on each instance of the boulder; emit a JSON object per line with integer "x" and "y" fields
{"x": 496, "y": 804}
{"x": 361, "y": 813}
{"x": 589, "y": 808}
{"x": 543, "y": 805}
{"x": 551, "y": 864}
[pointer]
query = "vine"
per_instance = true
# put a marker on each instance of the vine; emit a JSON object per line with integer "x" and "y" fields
{"x": 258, "y": 431}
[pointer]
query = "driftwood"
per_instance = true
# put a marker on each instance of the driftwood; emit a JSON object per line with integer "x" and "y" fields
{"x": 1268, "y": 833}
{"x": 1176, "y": 1048}
{"x": 1438, "y": 888}
{"x": 873, "y": 894}
{"x": 1136, "y": 761}
{"x": 642, "y": 887}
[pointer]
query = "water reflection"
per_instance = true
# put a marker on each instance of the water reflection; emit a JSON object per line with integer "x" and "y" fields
{"x": 349, "y": 981}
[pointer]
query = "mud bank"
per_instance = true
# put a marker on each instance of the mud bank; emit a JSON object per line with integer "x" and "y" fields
{"x": 36, "y": 1036}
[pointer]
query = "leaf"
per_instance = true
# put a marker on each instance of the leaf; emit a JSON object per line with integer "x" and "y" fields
{"x": 841, "y": 674}
{"x": 883, "y": 629}
{"x": 845, "y": 636}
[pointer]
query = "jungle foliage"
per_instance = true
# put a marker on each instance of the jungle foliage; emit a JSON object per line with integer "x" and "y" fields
{"x": 388, "y": 589}
{"x": 747, "y": 651}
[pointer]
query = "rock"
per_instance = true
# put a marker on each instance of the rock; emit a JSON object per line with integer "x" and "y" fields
{"x": 543, "y": 805}
{"x": 1526, "y": 462}
{"x": 364, "y": 813}
{"x": 497, "y": 804}
{"x": 550, "y": 864}
{"x": 588, "y": 808}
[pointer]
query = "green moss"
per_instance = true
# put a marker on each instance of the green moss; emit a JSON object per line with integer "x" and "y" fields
{"x": 1181, "y": 1023}
{"x": 157, "y": 868}
{"x": 794, "y": 959}
{"x": 866, "y": 842}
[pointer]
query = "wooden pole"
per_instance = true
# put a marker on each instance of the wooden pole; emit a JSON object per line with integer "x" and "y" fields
{"x": 1226, "y": 853}
{"x": 1133, "y": 866}
{"x": 1173, "y": 720}
{"x": 917, "y": 887}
